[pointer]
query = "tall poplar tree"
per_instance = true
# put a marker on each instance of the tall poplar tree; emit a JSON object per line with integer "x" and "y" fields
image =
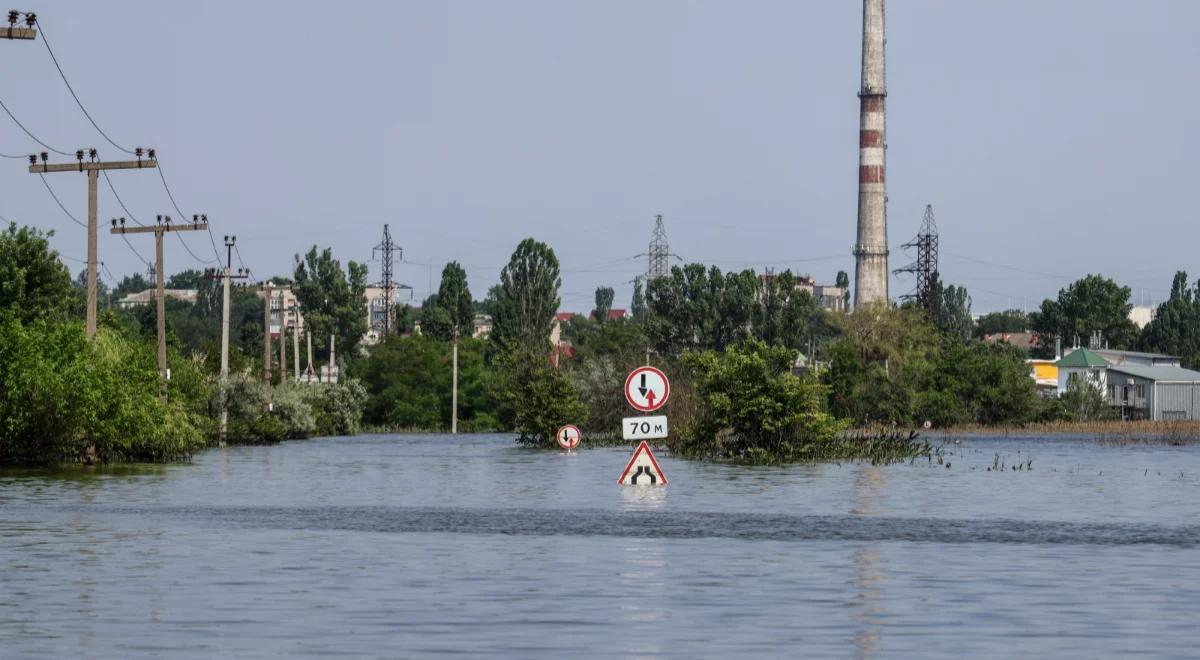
{"x": 528, "y": 296}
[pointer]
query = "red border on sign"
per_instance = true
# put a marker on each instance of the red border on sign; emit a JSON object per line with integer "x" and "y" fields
{"x": 558, "y": 436}
{"x": 643, "y": 447}
{"x": 657, "y": 404}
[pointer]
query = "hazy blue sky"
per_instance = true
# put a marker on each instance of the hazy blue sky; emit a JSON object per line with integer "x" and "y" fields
{"x": 1053, "y": 138}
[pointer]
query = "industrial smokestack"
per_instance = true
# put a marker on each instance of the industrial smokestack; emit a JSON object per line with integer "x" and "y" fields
{"x": 871, "y": 251}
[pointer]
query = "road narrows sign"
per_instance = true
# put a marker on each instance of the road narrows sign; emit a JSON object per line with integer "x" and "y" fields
{"x": 568, "y": 437}
{"x": 647, "y": 389}
{"x": 642, "y": 469}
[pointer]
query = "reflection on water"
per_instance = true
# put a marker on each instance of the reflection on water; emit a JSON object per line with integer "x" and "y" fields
{"x": 867, "y": 486}
{"x": 639, "y": 498}
{"x": 428, "y": 545}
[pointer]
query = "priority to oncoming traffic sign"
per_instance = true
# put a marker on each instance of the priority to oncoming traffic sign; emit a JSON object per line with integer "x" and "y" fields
{"x": 647, "y": 389}
{"x": 568, "y": 437}
{"x": 644, "y": 428}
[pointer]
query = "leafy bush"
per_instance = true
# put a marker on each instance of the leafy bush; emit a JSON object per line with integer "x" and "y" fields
{"x": 259, "y": 414}
{"x": 754, "y": 408}
{"x": 538, "y": 398}
{"x": 408, "y": 385}
{"x": 66, "y": 399}
{"x": 338, "y": 409}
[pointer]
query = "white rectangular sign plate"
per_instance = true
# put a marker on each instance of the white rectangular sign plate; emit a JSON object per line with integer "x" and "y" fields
{"x": 644, "y": 428}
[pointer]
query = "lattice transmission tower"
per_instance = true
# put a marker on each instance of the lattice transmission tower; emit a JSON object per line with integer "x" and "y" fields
{"x": 925, "y": 267}
{"x": 387, "y": 248}
{"x": 659, "y": 253}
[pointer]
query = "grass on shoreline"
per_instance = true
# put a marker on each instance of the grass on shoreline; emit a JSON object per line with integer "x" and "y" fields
{"x": 1113, "y": 432}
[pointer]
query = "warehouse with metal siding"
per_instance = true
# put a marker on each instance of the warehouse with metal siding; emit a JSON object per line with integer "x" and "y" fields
{"x": 1159, "y": 392}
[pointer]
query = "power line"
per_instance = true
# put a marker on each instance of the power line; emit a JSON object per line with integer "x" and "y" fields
{"x": 183, "y": 216}
{"x": 59, "y": 202}
{"x": 111, "y": 277}
{"x": 118, "y": 197}
{"x": 194, "y": 256}
{"x": 139, "y": 254}
{"x": 31, "y": 135}
{"x": 1012, "y": 268}
{"x": 73, "y": 94}
{"x": 12, "y": 156}
{"x": 241, "y": 262}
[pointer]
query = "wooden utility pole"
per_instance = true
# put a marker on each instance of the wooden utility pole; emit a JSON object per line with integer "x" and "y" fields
{"x": 159, "y": 229}
{"x": 282, "y": 343}
{"x": 92, "y": 168}
{"x": 454, "y": 389}
{"x": 309, "y": 371}
{"x": 332, "y": 359}
{"x": 295, "y": 343}
{"x": 226, "y": 275}
{"x": 269, "y": 291}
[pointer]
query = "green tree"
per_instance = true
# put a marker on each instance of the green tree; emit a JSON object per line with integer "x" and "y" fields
{"x": 1008, "y": 321}
{"x": 1084, "y": 402}
{"x": 187, "y": 279}
{"x": 538, "y": 398}
{"x": 754, "y": 407}
{"x": 843, "y": 280}
{"x": 408, "y": 385}
{"x": 637, "y": 306}
{"x": 953, "y": 316}
{"x": 66, "y": 399}
{"x": 1175, "y": 329}
{"x": 983, "y": 383}
{"x": 528, "y": 296}
{"x": 33, "y": 282}
{"x": 402, "y": 318}
{"x": 604, "y": 302}
{"x": 332, "y": 300}
{"x": 878, "y": 363}
{"x": 785, "y": 314}
{"x": 453, "y": 309}
{"x": 135, "y": 283}
{"x": 695, "y": 307}
{"x": 1093, "y": 304}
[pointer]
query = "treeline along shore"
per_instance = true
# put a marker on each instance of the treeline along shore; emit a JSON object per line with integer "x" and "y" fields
{"x": 760, "y": 370}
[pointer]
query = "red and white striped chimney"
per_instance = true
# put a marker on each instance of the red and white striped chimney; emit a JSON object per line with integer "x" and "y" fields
{"x": 871, "y": 251}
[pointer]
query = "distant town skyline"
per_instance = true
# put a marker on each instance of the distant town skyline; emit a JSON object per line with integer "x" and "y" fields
{"x": 1048, "y": 140}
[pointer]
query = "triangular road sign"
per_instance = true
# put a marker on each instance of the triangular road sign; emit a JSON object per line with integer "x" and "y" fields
{"x": 642, "y": 469}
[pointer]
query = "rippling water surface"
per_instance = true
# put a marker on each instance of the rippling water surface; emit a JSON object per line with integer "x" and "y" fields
{"x": 413, "y": 545}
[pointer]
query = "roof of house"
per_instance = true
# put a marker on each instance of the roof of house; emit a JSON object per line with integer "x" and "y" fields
{"x": 1018, "y": 339}
{"x": 612, "y": 314}
{"x": 1161, "y": 374}
{"x": 1082, "y": 357}
{"x": 1135, "y": 354}
{"x": 563, "y": 316}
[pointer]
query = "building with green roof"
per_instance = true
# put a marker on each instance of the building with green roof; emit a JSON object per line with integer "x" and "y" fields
{"x": 1082, "y": 363}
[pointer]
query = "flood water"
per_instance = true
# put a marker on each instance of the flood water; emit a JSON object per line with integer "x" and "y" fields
{"x": 417, "y": 545}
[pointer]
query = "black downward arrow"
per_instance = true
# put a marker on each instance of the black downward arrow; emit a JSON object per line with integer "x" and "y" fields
{"x": 642, "y": 389}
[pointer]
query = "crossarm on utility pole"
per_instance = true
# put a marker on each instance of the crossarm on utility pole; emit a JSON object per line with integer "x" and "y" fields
{"x": 18, "y": 33}
{"x": 92, "y": 168}
{"x": 46, "y": 168}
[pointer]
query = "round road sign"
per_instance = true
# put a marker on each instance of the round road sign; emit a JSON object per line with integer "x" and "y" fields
{"x": 647, "y": 389}
{"x": 568, "y": 437}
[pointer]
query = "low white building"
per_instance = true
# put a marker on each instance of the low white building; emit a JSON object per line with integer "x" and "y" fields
{"x": 147, "y": 297}
{"x": 1142, "y": 315}
{"x": 1084, "y": 365}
